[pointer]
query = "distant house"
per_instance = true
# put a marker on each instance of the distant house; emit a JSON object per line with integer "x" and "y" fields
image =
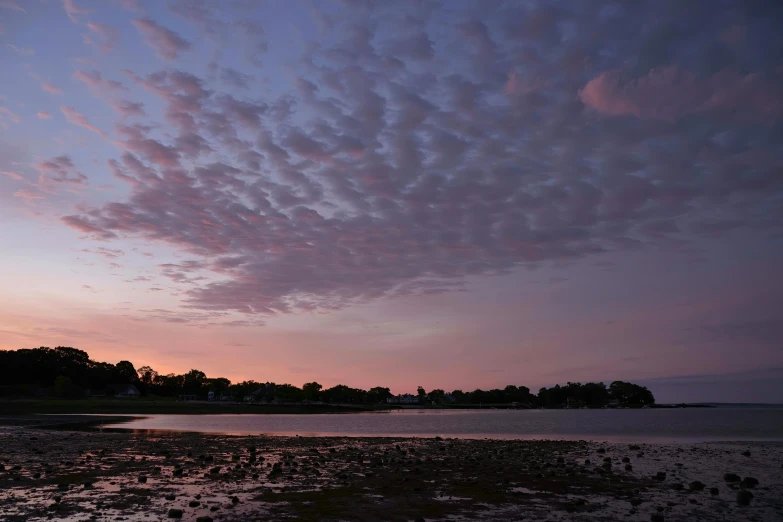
{"x": 126, "y": 391}
{"x": 211, "y": 396}
{"x": 406, "y": 398}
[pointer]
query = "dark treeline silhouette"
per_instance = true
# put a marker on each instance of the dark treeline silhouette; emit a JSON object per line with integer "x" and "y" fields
{"x": 70, "y": 373}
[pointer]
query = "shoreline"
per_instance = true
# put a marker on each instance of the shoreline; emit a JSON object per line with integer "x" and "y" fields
{"x": 100, "y": 475}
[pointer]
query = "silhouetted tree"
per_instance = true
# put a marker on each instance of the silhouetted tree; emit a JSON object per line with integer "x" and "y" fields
{"x": 126, "y": 373}
{"x": 378, "y": 394}
{"x": 311, "y": 391}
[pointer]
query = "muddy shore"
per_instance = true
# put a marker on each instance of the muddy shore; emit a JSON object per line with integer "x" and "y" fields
{"x": 79, "y": 473}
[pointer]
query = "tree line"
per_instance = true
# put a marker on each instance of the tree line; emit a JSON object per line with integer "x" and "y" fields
{"x": 70, "y": 373}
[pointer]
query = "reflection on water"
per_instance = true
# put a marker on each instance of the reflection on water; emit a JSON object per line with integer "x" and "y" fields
{"x": 653, "y": 425}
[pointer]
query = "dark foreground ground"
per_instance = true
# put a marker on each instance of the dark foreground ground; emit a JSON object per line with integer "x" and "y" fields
{"x": 79, "y": 475}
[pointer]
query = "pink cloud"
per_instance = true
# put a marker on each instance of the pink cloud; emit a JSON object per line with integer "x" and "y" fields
{"x": 72, "y": 10}
{"x": 28, "y": 195}
{"x": 96, "y": 81}
{"x": 80, "y": 119}
{"x": 167, "y": 43}
{"x": 12, "y": 175}
{"x": 129, "y": 109}
{"x": 52, "y": 89}
{"x": 44, "y": 115}
{"x": 670, "y": 93}
{"x": 10, "y": 114}
{"x": 107, "y": 34}
{"x": 83, "y": 225}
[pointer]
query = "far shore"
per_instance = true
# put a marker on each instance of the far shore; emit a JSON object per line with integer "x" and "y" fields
{"x": 168, "y": 406}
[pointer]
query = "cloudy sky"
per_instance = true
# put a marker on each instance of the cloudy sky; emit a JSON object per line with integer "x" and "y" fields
{"x": 456, "y": 194}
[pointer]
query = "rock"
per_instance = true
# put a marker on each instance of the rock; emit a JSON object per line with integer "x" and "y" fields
{"x": 587, "y": 462}
{"x": 714, "y": 492}
{"x": 657, "y": 517}
{"x": 57, "y": 499}
{"x": 420, "y": 519}
{"x": 661, "y": 475}
{"x": 204, "y": 519}
{"x": 744, "y": 497}
{"x": 696, "y": 486}
{"x": 635, "y": 502}
{"x": 198, "y": 497}
{"x": 677, "y": 486}
{"x": 626, "y": 460}
{"x": 194, "y": 503}
{"x": 749, "y": 482}
{"x": 235, "y": 500}
{"x": 731, "y": 477}
{"x": 746, "y": 453}
{"x": 175, "y": 513}
{"x": 170, "y": 497}
{"x": 214, "y": 508}
{"x": 628, "y": 467}
{"x": 601, "y": 450}
{"x": 634, "y": 447}
{"x": 142, "y": 479}
{"x": 216, "y": 469}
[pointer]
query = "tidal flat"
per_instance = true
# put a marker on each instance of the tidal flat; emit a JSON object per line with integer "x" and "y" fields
{"x": 81, "y": 473}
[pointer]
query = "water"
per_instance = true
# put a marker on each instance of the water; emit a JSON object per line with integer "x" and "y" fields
{"x": 648, "y": 425}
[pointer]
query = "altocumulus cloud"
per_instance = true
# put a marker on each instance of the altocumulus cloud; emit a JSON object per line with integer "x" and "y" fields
{"x": 419, "y": 145}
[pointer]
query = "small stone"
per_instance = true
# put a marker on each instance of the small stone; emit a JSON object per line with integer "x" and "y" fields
{"x": 749, "y": 482}
{"x": 235, "y": 500}
{"x": 198, "y": 497}
{"x": 170, "y": 497}
{"x": 746, "y": 453}
{"x": 626, "y": 460}
{"x": 696, "y": 486}
{"x": 744, "y": 497}
{"x": 661, "y": 475}
{"x": 204, "y": 519}
{"x": 175, "y": 513}
{"x": 731, "y": 477}
{"x": 657, "y": 517}
{"x": 194, "y": 503}
{"x": 142, "y": 479}
{"x": 714, "y": 492}
{"x": 628, "y": 467}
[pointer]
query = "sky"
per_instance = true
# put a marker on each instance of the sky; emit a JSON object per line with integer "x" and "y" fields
{"x": 453, "y": 194}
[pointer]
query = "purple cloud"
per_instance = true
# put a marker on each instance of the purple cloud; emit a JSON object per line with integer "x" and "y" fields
{"x": 75, "y": 117}
{"x": 404, "y": 163}
{"x": 167, "y": 43}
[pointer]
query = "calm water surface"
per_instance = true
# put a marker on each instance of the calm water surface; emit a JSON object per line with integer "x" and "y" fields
{"x": 658, "y": 425}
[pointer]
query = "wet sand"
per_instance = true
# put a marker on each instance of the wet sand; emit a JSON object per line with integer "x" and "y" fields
{"x": 82, "y": 475}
